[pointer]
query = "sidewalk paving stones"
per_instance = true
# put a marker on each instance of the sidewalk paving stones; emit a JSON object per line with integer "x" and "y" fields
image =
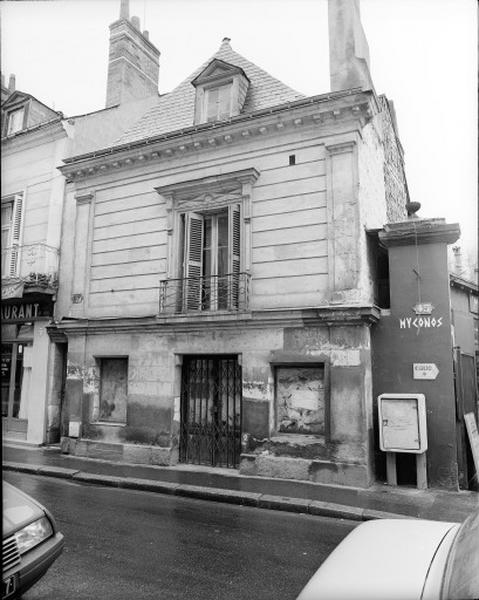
{"x": 221, "y": 485}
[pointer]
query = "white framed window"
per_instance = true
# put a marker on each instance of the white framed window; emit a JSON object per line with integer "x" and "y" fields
{"x": 12, "y": 220}
{"x": 15, "y": 120}
{"x": 210, "y": 265}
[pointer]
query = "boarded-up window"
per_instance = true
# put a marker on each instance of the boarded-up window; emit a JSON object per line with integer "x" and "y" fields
{"x": 113, "y": 389}
{"x": 300, "y": 394}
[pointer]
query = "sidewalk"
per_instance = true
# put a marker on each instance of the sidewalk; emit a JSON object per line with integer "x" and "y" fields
{"x": 227, "y": 485}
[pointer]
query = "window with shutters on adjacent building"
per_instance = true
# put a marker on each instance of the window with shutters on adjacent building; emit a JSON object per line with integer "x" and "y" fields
{"x": 12, "y": 216}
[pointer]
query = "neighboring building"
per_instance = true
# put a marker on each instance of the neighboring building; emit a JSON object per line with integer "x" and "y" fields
{"x": 218, "y": 283}
{"x": 465, "y": 321}
{"x": 414, "y": 351}
{"x": 34, "y": 140}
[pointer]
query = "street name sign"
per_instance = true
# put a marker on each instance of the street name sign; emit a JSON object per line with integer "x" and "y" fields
{"x": 425, "y": 371}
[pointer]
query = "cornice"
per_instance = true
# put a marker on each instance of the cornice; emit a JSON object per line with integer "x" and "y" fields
{"x": 211, "y": 182}
{"x": 419, "y": 231}
{"x": 338, "y": 316}
{"x": 316, "y": 111}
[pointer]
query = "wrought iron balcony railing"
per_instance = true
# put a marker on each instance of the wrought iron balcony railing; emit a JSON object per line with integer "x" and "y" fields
{"x": 21, "y": 260}
{"x": 205, "y": 294}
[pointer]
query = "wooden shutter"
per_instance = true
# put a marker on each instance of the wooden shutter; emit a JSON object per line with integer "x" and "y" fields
{"x": 212, "y": 104}
{"x": 224, "y": 102}
{"x": 193, "y": 269}
{"x": 234, "y": 241}
{"x": 16, "y": 237}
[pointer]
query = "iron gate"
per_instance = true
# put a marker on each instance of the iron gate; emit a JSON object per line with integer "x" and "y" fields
{"x": 211, "y": 411}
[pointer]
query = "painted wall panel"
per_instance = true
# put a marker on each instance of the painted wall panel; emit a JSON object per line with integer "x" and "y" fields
{"x": 296, "y": 267}
{"x": 293, "y": 218}
{"x": 120, "y": 257}
{"x": 280, "y": 205}
{"x": 282, "y": 252}
{"x": 126, "y": 283}
{"x": 289, "y": 235}
{"x": 124, "y": 242}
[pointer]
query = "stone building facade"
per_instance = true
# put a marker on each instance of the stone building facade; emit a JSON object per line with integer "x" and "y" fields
{"x": 218, "y": 284}
{"x": 34, "y": 140}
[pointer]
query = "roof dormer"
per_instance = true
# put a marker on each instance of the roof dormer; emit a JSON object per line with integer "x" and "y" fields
{"x": 22, "y": 111}
{"x": 221, "y": 90}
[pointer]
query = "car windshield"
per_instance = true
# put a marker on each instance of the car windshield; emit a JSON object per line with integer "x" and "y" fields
{"x": 461, "y": 580}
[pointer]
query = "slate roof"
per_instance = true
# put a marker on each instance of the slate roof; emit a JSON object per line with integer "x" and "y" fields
{"x": 175, "y": 110}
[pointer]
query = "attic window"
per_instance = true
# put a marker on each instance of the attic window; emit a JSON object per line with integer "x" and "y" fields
{"x": 15, "y": 121}
{"x": 221, "y": 90}
{"x": 218, "y": 103}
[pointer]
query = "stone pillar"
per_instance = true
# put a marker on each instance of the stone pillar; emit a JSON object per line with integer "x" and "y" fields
{"x": 37, "y": 409}
{"x": 418, "y": 330}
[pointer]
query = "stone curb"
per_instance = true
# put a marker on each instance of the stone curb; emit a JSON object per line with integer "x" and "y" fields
{"x": 258, "y": 500}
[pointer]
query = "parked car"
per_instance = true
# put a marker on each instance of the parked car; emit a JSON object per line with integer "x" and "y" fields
{"x": 401, "y": 559}
{"x": 31, "y": 542}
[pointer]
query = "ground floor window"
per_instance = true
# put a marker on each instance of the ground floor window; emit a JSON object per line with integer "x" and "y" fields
{"x": 300, "y": 399}
{"x": 15, "y": 377}
{"x": 113, "y": 389}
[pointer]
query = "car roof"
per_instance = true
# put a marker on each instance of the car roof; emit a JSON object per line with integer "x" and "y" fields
{"x": 386, "y": 558}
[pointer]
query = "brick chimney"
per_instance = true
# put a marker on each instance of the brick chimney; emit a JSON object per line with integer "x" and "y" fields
{"x": 348, "y": 47}
{"x": 133, "y": 61}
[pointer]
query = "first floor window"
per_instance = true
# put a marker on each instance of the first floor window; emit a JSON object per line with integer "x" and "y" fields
{"x": 113, "y": 389}
{"x": 211, "y": 259}
{"x": 300, "y": 399}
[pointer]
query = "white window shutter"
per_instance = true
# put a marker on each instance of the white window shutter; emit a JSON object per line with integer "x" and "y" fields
{"x": 16, "y": 238}
{"x": 234, "y": 237}
{"x": 194, "y": 232}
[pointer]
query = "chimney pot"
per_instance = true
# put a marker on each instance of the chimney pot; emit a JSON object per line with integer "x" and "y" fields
{"x": 11, "y": 83}
{"x": 135, "y": 21}
{"x": 124, "y": 9}
{"x": 146, "y": 34}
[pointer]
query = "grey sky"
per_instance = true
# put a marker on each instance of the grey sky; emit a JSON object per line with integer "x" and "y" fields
{"x": 423, "y": 57}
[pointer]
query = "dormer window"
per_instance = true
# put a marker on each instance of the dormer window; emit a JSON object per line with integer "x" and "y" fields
{"x": 218, "y": 103}
{"x": 15, "y": 120}
{"x": 221, "y": 90}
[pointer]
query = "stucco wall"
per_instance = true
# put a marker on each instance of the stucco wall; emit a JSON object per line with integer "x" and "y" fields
{"x": 399, "y": 341}
{"x": 128, "y": 227}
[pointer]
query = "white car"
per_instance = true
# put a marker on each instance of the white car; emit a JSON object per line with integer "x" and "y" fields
{"x": 401, "y": 559}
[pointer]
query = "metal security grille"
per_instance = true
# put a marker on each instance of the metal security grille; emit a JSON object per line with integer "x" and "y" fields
{"x": 10, "y": 555}
{"x": 211, "y": 411}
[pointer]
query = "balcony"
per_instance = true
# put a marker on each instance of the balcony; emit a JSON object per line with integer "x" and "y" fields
{"x": 195, "y": 295}
{"x": 33, "y": 266}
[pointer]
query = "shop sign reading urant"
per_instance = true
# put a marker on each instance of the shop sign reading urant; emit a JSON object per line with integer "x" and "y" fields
{"x": 25, "y": 311}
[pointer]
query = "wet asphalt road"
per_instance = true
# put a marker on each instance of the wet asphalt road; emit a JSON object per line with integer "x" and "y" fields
{"x": 128, "y": 545}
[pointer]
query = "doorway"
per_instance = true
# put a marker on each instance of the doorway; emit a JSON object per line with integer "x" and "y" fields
{"x": 211, "y": 390}
{"x": 15, "y": 380}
